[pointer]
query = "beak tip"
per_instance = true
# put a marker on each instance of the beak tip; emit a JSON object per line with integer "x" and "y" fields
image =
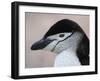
{"x": 33, "y": 47}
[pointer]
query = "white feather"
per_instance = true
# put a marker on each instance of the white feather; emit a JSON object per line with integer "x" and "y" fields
{"x": 66, "y": 58}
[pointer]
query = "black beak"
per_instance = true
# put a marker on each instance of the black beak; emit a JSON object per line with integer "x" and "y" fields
{"x": 41, "y": 44}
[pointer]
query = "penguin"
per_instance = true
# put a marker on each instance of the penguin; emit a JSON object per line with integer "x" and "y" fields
{"x": 70, "y": 43}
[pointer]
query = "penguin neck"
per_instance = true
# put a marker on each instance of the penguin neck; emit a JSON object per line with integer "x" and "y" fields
{"x": 71, "y": 49}
{"x": 67, "y": 57}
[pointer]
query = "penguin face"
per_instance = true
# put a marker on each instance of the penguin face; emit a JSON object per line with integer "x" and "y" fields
{"x": 61, "y": 36}
{"x": 50, "y": 42}
{"x": 58, "y": 38}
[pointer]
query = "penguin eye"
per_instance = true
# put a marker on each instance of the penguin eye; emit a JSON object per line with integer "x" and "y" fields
{"x": 61, "y": 35}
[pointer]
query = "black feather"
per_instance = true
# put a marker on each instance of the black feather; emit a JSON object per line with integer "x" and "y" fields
{"x": 61, "y": 26}
{"x": 83, "y": 50}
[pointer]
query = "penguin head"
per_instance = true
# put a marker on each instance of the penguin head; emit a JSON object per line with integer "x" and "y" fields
{"x": 62, "y": 35}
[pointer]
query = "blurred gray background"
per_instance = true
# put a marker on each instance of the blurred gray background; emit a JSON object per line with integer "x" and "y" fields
{"x": 36, "y": 25}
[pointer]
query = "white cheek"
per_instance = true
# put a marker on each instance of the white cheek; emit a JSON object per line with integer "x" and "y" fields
{"x": 51, "y": 46}
{"x": 67, "y": 34}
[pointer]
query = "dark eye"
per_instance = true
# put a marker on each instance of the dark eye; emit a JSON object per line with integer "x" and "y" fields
{"x": 61, "y": 35}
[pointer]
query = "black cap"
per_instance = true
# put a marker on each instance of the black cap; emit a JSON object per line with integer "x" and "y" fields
{"x": 64, "y": 25}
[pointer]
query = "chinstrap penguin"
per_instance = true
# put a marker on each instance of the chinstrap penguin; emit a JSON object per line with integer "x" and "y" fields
{"x": 67, "y": 39}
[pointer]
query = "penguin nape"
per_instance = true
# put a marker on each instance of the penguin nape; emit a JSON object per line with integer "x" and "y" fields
{"x": 67, "y": 39}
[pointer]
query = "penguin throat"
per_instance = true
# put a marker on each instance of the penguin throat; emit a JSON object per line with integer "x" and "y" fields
{"x": 72, "y": 48}
{"x": 67, "y": 58}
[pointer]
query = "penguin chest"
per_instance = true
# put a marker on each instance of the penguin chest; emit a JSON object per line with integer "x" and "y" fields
{"x": 66, "y": 58}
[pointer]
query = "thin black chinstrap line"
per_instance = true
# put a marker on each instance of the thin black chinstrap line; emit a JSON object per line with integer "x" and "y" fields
{"x": 61, "y": 41}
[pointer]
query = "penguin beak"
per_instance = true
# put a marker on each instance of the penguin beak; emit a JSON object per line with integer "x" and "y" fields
{"x": 41, "y": 44}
